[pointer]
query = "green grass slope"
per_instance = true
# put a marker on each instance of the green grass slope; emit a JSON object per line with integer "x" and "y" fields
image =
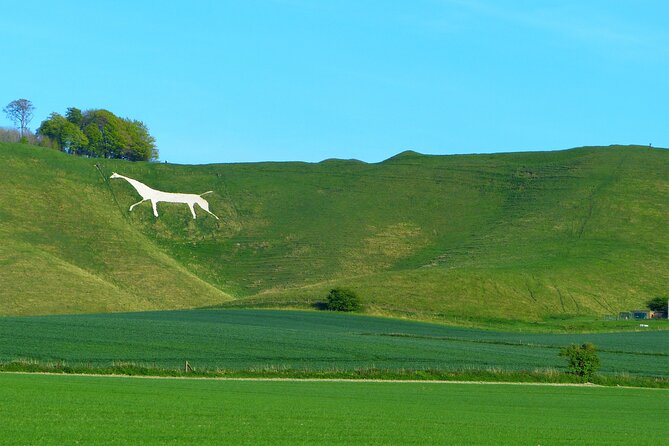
{"x": 515, "y": 236}
{"x": 65, "y": 247}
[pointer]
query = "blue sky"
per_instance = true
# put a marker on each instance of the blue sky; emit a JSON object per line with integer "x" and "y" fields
{"x": 254, "y": 80}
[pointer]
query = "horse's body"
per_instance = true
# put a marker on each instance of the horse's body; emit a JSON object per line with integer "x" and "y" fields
{"x": 156, "y": 196}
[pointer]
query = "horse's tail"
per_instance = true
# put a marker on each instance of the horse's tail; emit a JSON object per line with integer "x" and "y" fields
{"x": 208, "y": 192}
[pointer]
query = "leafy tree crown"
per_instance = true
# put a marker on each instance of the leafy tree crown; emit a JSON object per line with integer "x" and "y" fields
{"x": 658, "y": 304}
{"x": 582, "y": 360}
{"x": 100, "y": 133}
{"x": 341, "y": 299}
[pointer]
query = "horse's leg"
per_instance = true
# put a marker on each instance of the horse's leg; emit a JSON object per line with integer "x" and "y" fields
{"x": 139, "y": 202}
{"x": 210, "y": 213}
{"x": 192, "y": 209}
{"x": 204, "y": 205}
{"x": 154, "y": 204}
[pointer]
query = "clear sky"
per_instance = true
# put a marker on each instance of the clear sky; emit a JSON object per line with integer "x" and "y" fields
{"x": 253, "y": 80}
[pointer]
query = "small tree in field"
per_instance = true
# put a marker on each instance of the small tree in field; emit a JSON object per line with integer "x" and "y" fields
{"x": 341, "y": 299}
{"x": 582, "y": 359}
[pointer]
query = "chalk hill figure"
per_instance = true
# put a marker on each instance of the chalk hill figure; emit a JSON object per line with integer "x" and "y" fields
{"x": 156, "y": 196}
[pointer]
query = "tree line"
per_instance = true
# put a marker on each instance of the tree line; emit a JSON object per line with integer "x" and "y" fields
{"x": 96, "y": 133}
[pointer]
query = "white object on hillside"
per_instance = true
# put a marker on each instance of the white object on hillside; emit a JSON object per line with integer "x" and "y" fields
{"x": 156, "y": 196}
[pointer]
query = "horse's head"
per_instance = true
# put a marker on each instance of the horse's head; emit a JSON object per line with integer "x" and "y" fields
{"x": 115, "y": 175}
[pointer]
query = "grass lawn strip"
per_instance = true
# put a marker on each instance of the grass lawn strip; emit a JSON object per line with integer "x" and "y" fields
{"x": 49, "y": 410}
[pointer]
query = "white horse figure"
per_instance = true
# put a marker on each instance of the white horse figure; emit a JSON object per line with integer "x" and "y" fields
{"x": 168, "y": 197}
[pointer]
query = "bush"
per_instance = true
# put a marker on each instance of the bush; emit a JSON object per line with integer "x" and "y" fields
{"x": 341, "y": 299}
{"x": 9, "y": 135}
{"x": 582, "y": 359}
{"x": 657, "y": 304}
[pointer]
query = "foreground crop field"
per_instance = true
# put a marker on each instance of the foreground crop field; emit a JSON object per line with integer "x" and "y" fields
{"x": 246, "y": 339}
{"x": 46, "y": 410}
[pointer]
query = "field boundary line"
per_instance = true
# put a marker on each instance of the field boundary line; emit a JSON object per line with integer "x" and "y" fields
{"x": 338, "y": 380}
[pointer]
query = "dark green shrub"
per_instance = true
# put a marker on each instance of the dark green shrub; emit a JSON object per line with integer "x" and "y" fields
{"x": 341, "y": 299}
{"x": 582, "y": 359}
{"x": 657, "y": 304}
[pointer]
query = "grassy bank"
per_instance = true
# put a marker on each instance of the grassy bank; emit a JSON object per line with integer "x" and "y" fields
{"x": 471, "y": 375}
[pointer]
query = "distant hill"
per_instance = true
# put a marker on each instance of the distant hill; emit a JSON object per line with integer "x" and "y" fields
{"x": 511, "y": 236}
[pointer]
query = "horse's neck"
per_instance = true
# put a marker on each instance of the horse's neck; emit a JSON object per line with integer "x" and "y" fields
{"x": 141, "y": 188}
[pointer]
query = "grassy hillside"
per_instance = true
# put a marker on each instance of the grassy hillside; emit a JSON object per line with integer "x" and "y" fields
{"x": 66, "y": 247}
{"x": 519, "y": 236}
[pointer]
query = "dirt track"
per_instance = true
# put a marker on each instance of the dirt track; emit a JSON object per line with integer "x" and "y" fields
{"x": 342, "y": 380}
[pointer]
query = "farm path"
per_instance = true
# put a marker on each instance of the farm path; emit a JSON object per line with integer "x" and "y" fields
{"x": 341, "y": 380}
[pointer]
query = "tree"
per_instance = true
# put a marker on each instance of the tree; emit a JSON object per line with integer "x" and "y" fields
{"x": 106, "y": 133}
{"x": 74, "y": 115}
{"x": 67, "y": 136}
{"x": 100, "y": 134}
{"x": 20, "y": 112}
{"x": 141, "y": 145}
{"x": 113, "y": 137}
{"x": 582, "y": 360}
{"x": 341, "y": 299}
{"x": 94, "y": 147}
{"x": 658, "y": 304}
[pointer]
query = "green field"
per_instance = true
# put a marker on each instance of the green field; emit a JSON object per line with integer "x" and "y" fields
{"x": 527, "y": 243}
{"x": 254, "y": 339}
{"x": 50, "y": 410}
{"x": 519, "y": 236}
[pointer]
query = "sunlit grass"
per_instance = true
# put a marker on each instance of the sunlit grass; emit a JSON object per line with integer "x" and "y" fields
{"x": 54, "y": 410}
{"x": 521, "y": 236}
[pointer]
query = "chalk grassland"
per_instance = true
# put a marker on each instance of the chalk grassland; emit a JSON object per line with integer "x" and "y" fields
{"x": 522, "y": 236}
{"x": 66, "y": 248}
{"x": 310, "y": 341}
{"x": 50, "y": 410}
